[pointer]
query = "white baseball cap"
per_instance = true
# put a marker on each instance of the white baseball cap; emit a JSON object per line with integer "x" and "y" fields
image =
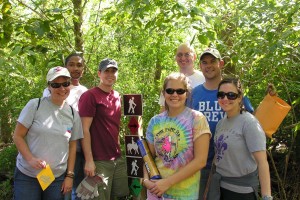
{"x": 55, "y": 72}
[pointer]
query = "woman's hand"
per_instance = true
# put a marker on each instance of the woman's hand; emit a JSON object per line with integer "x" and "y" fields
{"x": 149, "y": 184}
{"x": 67, "y": 185}
{"x": 37, "y": 163}
{"x": 160, "y": 186}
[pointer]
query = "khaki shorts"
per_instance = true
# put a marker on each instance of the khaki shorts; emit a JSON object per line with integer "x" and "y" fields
{"x": 115, "y": 179}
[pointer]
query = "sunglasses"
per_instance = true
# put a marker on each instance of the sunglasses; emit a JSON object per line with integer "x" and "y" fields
{"x": 229, "y": 95}
{"x": 178, "y": 91}
{"x": 58, "y": 85}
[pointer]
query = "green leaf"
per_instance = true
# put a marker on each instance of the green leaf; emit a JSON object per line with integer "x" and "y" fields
{"x": 297, "y": 127}
{"x": 32, "y": 59}
{"x": 212, "y": 35}
{"x": 6, "y": 7}
{"x": 45, "y": 25}
{"x": 203, "y": 39}
{"x": 17, "y": 49}
{"x": 296, "y": 102}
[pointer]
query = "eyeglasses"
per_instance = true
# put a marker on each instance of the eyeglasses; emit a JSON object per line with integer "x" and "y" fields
{"x": 58, "y": 85}
{"x": 186, "y": 55}
{"x": 178, "y": 91}
{"x": 229, "y": 95}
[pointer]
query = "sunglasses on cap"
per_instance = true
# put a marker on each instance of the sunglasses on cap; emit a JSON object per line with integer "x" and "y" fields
{"x": 178, "y": 91}
{"x": 229, "y": 95}
{"x": 58, "y": 85}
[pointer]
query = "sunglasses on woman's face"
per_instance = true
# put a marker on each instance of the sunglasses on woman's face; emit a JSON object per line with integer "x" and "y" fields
{"x": 229, "y": 95}
{"x": 178, "y": 91}
{"x": 58, "y": 85}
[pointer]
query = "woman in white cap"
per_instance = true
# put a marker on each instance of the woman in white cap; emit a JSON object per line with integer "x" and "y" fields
{"x": 46, "y": 134}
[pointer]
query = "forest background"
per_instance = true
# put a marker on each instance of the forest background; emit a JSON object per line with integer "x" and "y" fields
{"x": 259, "y": 40}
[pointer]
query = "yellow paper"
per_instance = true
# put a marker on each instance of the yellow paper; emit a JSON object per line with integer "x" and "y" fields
{"x": 45, "y": 177}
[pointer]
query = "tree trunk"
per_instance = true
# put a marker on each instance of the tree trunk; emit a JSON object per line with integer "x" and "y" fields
{"x": 77, "y": 21}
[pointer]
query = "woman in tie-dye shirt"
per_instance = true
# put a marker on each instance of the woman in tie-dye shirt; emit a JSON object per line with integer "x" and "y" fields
{"x": 178, "y": 140}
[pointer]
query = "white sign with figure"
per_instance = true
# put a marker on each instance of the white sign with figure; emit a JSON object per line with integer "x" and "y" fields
{"x": 134, "y": 158}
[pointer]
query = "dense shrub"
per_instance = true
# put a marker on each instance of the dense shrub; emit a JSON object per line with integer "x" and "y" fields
{"x": 8, "y": 155}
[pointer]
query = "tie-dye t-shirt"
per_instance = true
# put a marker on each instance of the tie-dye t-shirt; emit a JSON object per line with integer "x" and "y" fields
{"x": 173, "y": 139}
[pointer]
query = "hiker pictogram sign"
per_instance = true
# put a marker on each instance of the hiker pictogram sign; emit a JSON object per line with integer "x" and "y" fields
{"x": 132, "y": 104}
{"x": 134, "y": 158}
{"x": 135, "y": 167}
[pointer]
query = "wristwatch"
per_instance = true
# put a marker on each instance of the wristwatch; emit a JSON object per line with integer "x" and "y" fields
{"x": 267, "y": 197}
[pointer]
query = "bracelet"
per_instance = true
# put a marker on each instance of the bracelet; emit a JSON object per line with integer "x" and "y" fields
{"x": 70, "y": 176}
{"x": 267, "y": 197}
{"x": 71, "y": 172}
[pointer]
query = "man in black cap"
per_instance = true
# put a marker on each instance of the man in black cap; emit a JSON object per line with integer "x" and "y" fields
{"x": 100, "y": 111}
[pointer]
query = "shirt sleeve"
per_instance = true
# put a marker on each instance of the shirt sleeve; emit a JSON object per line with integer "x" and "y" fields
{"x": 27, "y": 114}
{"x": 87, "y": 105}
{"x": 149, "y": 132}
{"x": 254, "y": 135}
{"x": 247, "y": 104}
{"x": 200, "y": 125}
{"x": 77, "y": 127}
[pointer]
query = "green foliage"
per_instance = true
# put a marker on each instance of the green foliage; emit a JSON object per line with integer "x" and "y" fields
{"x": 260, "y": 40}
{"x": 6, "y": 189}
{"x": 8, "y": 156}
{"x": 8, "y": 160}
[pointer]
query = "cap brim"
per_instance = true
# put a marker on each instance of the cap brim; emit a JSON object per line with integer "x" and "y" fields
{"x": 206, "y": 53}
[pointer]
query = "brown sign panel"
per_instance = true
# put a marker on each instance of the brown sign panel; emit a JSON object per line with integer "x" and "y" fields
{"x": 132, "y": 148}
{"x": 135, "y": 167}
{"x": 133, "y": 104}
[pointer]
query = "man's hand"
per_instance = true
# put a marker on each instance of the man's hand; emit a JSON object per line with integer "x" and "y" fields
{"x": 271, "y": 90}
{"x": 89, "y": 168}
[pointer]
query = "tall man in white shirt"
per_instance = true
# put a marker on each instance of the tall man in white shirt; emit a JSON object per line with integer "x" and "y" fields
{"x": 185, "y": 58}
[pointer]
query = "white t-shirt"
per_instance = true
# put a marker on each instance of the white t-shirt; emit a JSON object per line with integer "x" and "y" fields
{"x": 195, "y": 79}
{"x": 73, "y": 98}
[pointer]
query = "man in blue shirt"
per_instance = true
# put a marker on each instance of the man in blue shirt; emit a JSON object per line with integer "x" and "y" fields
{"x": 204, "y": 99}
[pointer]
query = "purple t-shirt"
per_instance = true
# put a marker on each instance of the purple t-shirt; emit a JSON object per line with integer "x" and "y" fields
{"x": 105, "y": 108}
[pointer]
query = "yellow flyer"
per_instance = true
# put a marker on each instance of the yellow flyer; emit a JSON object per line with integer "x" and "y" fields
{"x": 45, "y": 177}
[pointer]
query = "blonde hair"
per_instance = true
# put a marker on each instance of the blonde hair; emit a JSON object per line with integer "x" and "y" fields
{"x": 187, "y": 45}
{"x": 179, "y": 77}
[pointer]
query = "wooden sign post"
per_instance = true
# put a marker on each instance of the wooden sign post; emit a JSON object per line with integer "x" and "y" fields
{"x": 134, "y": 109}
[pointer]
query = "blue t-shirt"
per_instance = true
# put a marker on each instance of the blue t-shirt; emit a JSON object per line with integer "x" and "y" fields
{"x": 206, "y": 101}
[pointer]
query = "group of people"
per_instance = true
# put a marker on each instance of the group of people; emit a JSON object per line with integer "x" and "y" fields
{"x": 210, "y": 125}
{"x": 73, "y": 130}
{"x": 205, "y": 142}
